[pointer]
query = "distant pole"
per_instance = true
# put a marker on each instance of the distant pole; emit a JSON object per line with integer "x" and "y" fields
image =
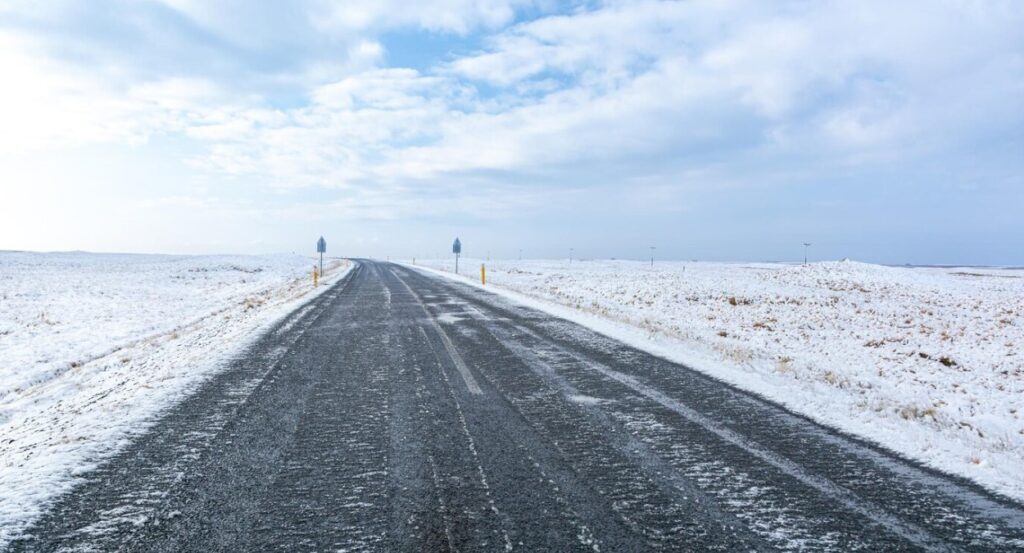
{"x": 520, "y": 254}
{"x": 570, "y": 256}
{"x": 652, "y": 256}
{"x": 806, "y": 245}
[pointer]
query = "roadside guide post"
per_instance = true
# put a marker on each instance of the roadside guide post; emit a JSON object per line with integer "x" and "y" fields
{"x": 457, "y": 250}
{"x": 483, "y": 274}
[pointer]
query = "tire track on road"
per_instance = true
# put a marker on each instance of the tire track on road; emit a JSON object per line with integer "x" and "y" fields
{"x": 573, "y": 352}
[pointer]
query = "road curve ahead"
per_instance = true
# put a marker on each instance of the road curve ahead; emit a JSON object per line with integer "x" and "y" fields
{"x": 404, "y": 412}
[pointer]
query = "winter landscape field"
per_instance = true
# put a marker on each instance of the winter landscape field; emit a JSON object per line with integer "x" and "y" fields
{"x": 837, "y": 368}
{"x": 96, "y": 349}
{"x": 92, "y": 346}
{"x": 925, "y": 361}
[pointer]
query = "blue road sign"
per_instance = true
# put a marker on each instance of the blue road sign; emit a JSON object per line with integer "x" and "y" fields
{"x": 321, "y": 247}
{"x": 457, "y": 249}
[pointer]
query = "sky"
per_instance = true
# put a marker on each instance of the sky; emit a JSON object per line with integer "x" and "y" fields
{"x": 880, "y": 131}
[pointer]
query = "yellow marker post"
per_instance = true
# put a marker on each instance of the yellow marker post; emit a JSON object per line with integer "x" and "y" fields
{"x": 316, "y": 278}
{"x": 483, "y": 274}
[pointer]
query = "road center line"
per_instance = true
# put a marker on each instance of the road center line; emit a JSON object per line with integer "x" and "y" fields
{"x": 472, "y": 450}
{"x": 457, "y": 360}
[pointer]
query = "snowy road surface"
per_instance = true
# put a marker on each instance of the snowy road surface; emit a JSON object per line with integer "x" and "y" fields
{"x": 404, "y": 412}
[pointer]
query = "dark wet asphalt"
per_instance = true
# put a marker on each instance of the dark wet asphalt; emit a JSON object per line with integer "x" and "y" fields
{"x": 402, "y": 412}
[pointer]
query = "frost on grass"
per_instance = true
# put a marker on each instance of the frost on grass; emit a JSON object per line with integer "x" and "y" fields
{"x": 93, "y": 346}
{"x": 922, "y": 360}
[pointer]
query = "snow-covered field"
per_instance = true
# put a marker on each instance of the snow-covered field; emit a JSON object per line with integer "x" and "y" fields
{"x": 925, "y": 361}
{"x": 93, "y": 346}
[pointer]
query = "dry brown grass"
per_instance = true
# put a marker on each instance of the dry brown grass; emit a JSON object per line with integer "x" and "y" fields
{"x": 914, "y": 412}
{"x": 252, "y": 302}
{"x": 833, "y": 379}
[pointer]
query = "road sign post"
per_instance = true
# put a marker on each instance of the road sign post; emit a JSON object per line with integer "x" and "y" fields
{"x": 321, "y": 247}
{"x": 457, "y": 250}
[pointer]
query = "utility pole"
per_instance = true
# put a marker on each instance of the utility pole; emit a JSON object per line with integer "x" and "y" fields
{"x": 806, "y": 245}
{"x": 652, "y": 256}
{"x": 520, "y": 254}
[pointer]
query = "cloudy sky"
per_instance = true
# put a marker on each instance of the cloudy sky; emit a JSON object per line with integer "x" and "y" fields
{"x": 730, "y": 130}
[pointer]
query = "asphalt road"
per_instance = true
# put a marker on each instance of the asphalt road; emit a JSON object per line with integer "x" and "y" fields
{"x": 404, "y": 412}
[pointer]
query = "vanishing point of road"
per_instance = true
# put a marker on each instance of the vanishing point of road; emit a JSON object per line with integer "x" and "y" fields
{"x": 400, "y": 411}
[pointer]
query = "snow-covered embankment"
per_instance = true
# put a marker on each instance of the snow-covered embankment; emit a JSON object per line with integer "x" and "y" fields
{"x": 93, "y": 346}
{"x": 925, "y": 361}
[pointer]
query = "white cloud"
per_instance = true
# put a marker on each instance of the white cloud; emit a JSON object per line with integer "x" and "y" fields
{"x": 457, "y": 16}
{"x": 43, "y": 104}
{"x": 629, "y": 80}
{"x": 652, "y": 90}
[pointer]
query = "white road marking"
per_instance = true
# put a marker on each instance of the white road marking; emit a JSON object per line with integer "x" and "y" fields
{"x": 294, "y": 319}
{"x": 472, "y": 450}
{"x": 460, "y": 365}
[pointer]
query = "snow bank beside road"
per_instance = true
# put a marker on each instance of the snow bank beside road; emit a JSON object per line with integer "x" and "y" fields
{"x": 924, "y": 361}
{"x": 93, "y": 345}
